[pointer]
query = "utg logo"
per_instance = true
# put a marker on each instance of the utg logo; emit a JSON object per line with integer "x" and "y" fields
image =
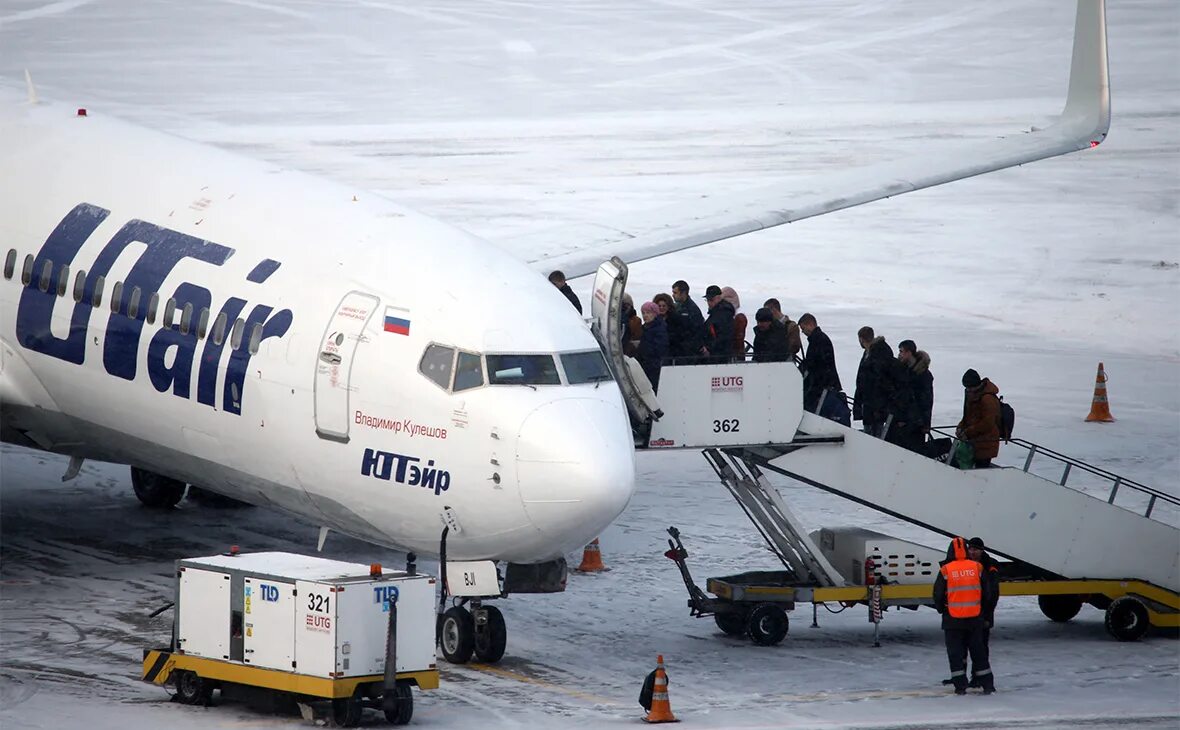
{"x": 727, "y": 383}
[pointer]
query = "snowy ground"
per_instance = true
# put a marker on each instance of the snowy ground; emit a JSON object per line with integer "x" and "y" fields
{"x": 507, "y": 116}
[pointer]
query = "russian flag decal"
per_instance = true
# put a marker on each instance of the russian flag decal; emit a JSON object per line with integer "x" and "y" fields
{"x": 397, "y": 320}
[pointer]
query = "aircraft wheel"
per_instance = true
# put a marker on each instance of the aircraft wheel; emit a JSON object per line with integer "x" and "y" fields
{"x": 1127, "y": 619}
{"x": 156, "y": 491}
{"x": 457, "y": 636}
{"x": 191, "y": 689}
{"x": 1059, "y": 608}
{"x": 493, "y": 639}
{"x": 732, "y": 623}
{"x": 768, "y": 624}
{"x": 399, "y": 705}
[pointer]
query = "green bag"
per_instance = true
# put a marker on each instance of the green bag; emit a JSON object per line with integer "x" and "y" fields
{"x": 963, "y": 457}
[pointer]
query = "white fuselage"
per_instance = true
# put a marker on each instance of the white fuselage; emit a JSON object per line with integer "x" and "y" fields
{"x": 326, "y": 417}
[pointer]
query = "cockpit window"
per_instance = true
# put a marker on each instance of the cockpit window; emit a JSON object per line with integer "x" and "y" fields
{"x": 468, "y": 371}
{"x": 437, "y": 363}
{"x": 585, "y": 367}
{"x": 522, "y": 370}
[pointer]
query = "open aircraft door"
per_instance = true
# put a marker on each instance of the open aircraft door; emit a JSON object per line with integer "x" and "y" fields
{"x": 606, "y": 304}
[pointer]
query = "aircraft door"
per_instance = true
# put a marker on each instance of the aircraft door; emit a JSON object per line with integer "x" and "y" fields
{"x": 606, "y": 305}
{"x": 333, "y": 368}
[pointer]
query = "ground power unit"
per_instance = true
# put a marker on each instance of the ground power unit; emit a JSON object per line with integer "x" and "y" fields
{"x": 315, "y": 629}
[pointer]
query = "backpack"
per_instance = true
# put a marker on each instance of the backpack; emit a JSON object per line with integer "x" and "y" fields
{"x": 1007, "y": 419}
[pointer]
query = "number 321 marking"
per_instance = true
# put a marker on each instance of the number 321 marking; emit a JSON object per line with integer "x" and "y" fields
{"x": 725, "y": 425}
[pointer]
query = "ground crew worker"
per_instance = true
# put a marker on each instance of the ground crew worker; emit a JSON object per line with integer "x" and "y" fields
{"x": 977, "y": 551}
{"x": 960, "y": 594}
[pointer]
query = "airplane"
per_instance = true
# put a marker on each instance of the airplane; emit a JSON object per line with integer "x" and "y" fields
{"x": 288, "y": 341}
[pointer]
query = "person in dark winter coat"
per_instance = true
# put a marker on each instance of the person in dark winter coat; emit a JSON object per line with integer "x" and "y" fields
{"x": 653, "y": 345}
{"x": 686, "y": 331}
{"x": 794, "y": 341}
{"x": 819, "y": 365}
{"x": 557, "y": 279}
{"x": 875, "y": 383}
{"x": 977, "y": 551}
{"x": 770, "y": 338}
{"x": 631, "y": 326}
{"x": 981, "y": 418}
{"x": 740, "y": 323}
{"x": 921, "y": 381}
{"x": 960, "y": 593}
{"x": 718, "y": 327}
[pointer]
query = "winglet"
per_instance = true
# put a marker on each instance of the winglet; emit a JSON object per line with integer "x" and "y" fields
{"x": 32, "y": 89}
{"x": 1087, "y": 107}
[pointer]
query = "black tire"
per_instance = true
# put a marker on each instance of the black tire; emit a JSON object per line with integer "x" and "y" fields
{"x": 192, "y": 689}
{"x": 1127, "y": 619}
{"x": 399, "y": 705}
{"x": 767, "y": 625}
{"x": 491, "y": 642}
{"x": 347, "y": 711}
{"x": 156, "y": 491}
{"x": 1059, "y": 608}
{"x": 457, "y": 636}
{"x": 732, "y": 623}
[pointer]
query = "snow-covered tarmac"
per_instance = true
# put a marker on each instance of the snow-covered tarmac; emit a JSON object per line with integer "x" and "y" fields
{"x": 511, "y": 115}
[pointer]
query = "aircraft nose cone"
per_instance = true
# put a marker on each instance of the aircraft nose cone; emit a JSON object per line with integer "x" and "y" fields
{"x": 576, "y": 468}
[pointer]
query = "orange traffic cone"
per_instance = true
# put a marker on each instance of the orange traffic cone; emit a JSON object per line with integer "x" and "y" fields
{"x": 661, "y": 708}
{"x": 592, "y": 559}
{"x": 1099, "y": 408}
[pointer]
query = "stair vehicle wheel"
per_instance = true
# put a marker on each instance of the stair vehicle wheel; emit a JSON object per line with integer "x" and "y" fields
{"x": 767, "y": 624}
{"x": 1127, "y": 619}
{"x": 399, "y": 704}
{"x": 457, "y": 637}
{"x": 191, "y": 689}
{"x": 1059, "y": 608}
{"x": 491, "y": 641}
{"x": 732, "y": 623}
{"x": 156, "y": 491}
{"x": 347, "y": 711}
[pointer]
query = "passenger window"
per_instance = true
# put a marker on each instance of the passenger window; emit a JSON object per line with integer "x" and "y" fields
{"x": 79, "y": 285}
{"x": 10, "y": 263}
{"x": 116, "y": 296}
{"x": 46, "y": 275}
{"x": 133, "y": 303}
{"x": 219, "y": 328}
{"x": 63, "y": 281}
{"x": 186, "y": 318}
{"x": 96, "y": 300}
{"x": 255, "y": 339}
{"x": 153, "y": 306}
{"x": 169, "y": 314}
{"x": 468, "y": 371}
{"x": 436, "y": 364}
{"x": 26, "y": 272}
{"x": 235, "y": 337}
{"x": 203, "y": 323}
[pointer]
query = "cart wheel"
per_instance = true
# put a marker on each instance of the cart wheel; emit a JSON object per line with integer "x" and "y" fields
{"x": 732, "y": 623}
{"x": 457, "y": 637}
{"x": 1059, "y": 608}
{"x": 191, "y": 689}
{"x": 1127, "y": 619}
{"x": 347, "y": 711}
{"x": 767, "y": 625}
{"x": 399, "y": 705}
{"x": 491, "y": 642}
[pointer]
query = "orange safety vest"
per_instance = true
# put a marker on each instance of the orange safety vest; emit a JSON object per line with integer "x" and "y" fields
{"x": 964, "y": 591}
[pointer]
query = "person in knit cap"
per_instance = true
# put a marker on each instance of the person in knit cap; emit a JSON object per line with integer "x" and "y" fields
{"x": 718, "y": 327}
{"x": 981, "y": 418}
{"x": 653, "y": 344}
{"x": 770, "y": 337}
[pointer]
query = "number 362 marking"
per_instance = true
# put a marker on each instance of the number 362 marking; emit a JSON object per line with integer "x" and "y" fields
{"x": 725, "y": 425}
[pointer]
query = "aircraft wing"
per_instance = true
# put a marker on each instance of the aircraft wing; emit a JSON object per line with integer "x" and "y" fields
{"x": 578, "y": 249}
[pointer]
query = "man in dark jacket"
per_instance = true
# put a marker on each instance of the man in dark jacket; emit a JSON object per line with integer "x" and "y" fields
{"x": 922, "y": 381}
{"x": 770, "y": 338}
{"x": 819, "y": 365}
{"x": 557, "y": 279}
{"x": 686, "y": 326}
{"x": 977, "y": 551}
{"x": 875, "y": 383}
{"x": 960, "y": 593}
{"x": 718, "y": 327}
{"x": 794, "y": 342}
